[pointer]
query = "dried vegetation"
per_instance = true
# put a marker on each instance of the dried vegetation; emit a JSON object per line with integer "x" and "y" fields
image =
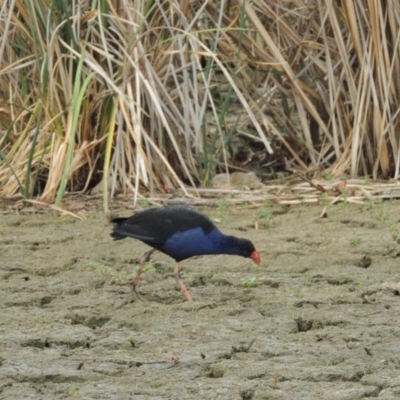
{"x": 138, "y": 96}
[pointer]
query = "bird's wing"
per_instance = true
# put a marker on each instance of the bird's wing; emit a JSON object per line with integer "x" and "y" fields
{"x": 156, "y": 225}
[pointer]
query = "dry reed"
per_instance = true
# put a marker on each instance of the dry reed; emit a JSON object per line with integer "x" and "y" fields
{"x": 138, "y": 96}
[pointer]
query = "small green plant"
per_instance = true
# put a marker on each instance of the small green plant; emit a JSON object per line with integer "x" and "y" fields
{"x": 144, "y": 203}
{"x": 324, "y": 196}
{"x": 285, "y": 346}
{"x": 273, "y": 174}
{"x": 265, "y": 213}
{"x": 298, "y": 293}
{"x": 148, "y": 266}
{"x": 381, "y": 215}
{"x": 222, "y": 209}
{"x": 332, "y": 361}
{"x": 309, "y": 282}
{"x": 370, "y": 204}
{"x": 329, "y": 176}
{"x": 97, "y": 265}
{"x": 344, "y": 202}
{"x": 105, "y": 270}
{"x": 366, "y": 179}
{"x": 202, "y": 352}
{"x": 73, "y": 391}
{"x": 250, "y": 282}
{"x": 394, "y": 231}
{"x": 356, "y": 240}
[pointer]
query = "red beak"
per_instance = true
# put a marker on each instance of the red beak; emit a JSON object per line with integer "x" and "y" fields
{"x": 255, "y": 256}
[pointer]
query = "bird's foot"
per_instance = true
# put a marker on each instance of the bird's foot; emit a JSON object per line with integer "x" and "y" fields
{"x": 133, "y": 290}
{"x": 180, "y": 283}
{"x": 187, "y": 295}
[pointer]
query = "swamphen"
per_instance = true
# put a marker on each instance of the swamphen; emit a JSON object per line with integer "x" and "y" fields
{"x": 180, "y": 232}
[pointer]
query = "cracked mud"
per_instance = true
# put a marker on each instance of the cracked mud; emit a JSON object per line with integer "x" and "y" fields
{"x": 318, "y": 319}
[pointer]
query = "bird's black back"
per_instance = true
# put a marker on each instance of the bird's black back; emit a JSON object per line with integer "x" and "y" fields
{"x": 155, "y": 226}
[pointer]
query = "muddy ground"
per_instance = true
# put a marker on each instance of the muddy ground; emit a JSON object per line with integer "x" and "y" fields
{"x": 318, "y": 319}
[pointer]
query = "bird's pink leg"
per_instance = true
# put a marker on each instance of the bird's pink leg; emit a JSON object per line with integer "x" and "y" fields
{"x": 180, "y": 283}
{"x": 143, "y": 261}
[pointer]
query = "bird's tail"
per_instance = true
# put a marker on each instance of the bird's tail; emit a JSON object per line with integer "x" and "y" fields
{"x": 114, "y": 234}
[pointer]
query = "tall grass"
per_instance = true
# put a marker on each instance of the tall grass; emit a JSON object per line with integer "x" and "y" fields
{"x": 140, "y": 95}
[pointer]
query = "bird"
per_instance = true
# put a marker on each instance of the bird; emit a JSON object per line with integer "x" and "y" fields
{"x": 180, "y": 232}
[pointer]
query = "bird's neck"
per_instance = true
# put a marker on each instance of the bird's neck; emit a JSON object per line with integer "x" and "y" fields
{"x": 228, "y": 244}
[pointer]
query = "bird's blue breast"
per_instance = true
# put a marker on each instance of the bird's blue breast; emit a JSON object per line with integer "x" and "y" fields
{"x": 194, "y": 242}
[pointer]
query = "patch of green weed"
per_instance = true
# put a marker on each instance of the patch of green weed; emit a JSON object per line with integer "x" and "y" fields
{"x": 356, "y": 240}
{"x": 106, "y": 270}
{"x": 250, "y": 282}
{"x": 222, "y": 209}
